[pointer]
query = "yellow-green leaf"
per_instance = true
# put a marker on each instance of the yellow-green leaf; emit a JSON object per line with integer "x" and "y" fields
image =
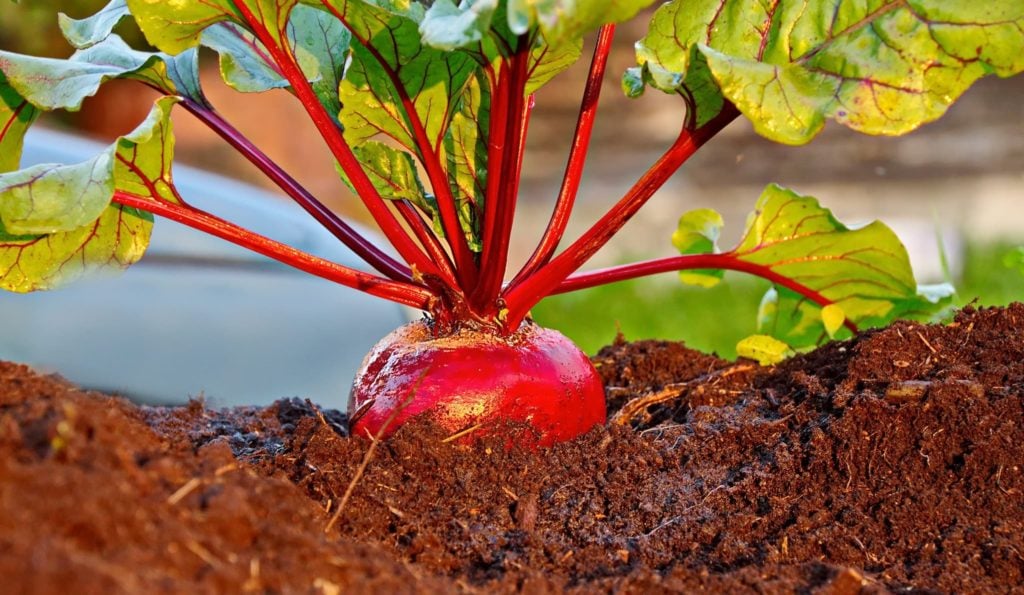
{"x": 824, "y": 273}
{"x": 16, "y": 115}
{"x": 117, "y": 239}
{"x": 763, "y": 349}
{"x": 547, "y": 61}
{"x": 879, "y": 67}
{"x": 392, "y": 62}
{"x": 57, "y": 222}
{"x": 833, "y": 317}
{"x": 697, "y": 233}
{"x": 177, "y": 26}
{"x": 562, "y": 20}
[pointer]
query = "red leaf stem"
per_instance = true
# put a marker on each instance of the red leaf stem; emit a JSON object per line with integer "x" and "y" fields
{"x": 396, "y": 291}
{"x": 339, "y": 147}
{"x": 523, "y": 296}
{"x": 464, "y": 261}
{"x": 577, "y": 158}
{"x": 465, "y": 264}
{"x": 356, "y": 242}
{"x": 500, "y": 205}
{"x": 524, "y": 124}
{"x": 496, "y": 137}
{"x": 728, "y": 261}
{"x": 426, "y": 237}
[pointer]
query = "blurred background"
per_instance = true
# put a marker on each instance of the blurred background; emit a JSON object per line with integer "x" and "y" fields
{"x": 953, "y": 190}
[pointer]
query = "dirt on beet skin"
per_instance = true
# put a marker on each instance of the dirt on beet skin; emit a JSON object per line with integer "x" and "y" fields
{"x": 891, "y": 462}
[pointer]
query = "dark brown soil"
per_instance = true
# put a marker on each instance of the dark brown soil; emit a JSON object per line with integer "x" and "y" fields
{"x": 891, "y": 462}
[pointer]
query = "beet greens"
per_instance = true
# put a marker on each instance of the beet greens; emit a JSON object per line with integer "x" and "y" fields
{"x": 425, "y": 107}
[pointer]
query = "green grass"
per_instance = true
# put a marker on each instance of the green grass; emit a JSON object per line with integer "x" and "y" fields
{"x": 991, "y": 276}
{"x": 713, "y": 320}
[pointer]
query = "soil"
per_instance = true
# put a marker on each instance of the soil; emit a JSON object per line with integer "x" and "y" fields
{"x": 891, "y": 462}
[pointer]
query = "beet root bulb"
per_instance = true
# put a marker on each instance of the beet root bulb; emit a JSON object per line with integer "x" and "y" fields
{"x": 536, "y": 379}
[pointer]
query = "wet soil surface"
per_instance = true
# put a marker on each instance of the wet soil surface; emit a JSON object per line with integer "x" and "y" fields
{"x": 892, "y": 462}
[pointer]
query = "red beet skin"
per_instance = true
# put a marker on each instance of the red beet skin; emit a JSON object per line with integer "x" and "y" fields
{"x": 537, "y": 378}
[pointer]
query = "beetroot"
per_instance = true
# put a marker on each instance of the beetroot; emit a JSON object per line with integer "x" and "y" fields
{"x": 473, "y": 380}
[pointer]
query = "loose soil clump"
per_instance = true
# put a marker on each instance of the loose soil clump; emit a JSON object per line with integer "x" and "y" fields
{"x": 889, "y": 462}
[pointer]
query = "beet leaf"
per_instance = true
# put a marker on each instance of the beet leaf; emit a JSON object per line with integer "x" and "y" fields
{"x": 16, "y": 115}
{"x": 58, "y": 222}
{"x": 245, "y": 64}
{"x": 878, "y": 67}
{"x": 50, "y": 83}
{"x": 319, "y": 42}
{"x": 87, "y": 32}
{"x": 826, "y": 276}
{"x": 178, "y": 26}
{"x": 764, "y": 349}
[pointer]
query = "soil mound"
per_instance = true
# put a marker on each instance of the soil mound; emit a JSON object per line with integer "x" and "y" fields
{"x": 888, "y": 462}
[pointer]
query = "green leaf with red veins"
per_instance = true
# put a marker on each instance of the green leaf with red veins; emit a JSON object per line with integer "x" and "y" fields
{"x": 879, "y": 67}
{"x": 16, "y": 115}
{"x": 116, "y": 240}
{"x": 359, "y": 14}
{"x": 48, "y": 198}
{"x": 57, "y": 222}
{"x": 548, "y": 61}
{"x": 697, "y": 233}
{"x": 565, "y": 20}
{"x": 318, "y": 41}
{"x": 321, "y": 45}
{"x": 245, "y": 63}
{"x": 465, "y": 152}
{"x": 480, "y": 27}
{"x": 143, "y": 158}
{"x": 391, "y": 64}
{"x": 449, "y": 88}
{"x": 174, "y": 27}
{"x": 50, "y": 83}
{"x": 816, "y": 261}
{"x": 802, "y": 323}
{"x": 393, "y": 173}
{"x": 87, "y": 32}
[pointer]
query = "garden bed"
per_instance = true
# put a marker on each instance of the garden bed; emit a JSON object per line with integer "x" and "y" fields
{"x": 886, "y": 462}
